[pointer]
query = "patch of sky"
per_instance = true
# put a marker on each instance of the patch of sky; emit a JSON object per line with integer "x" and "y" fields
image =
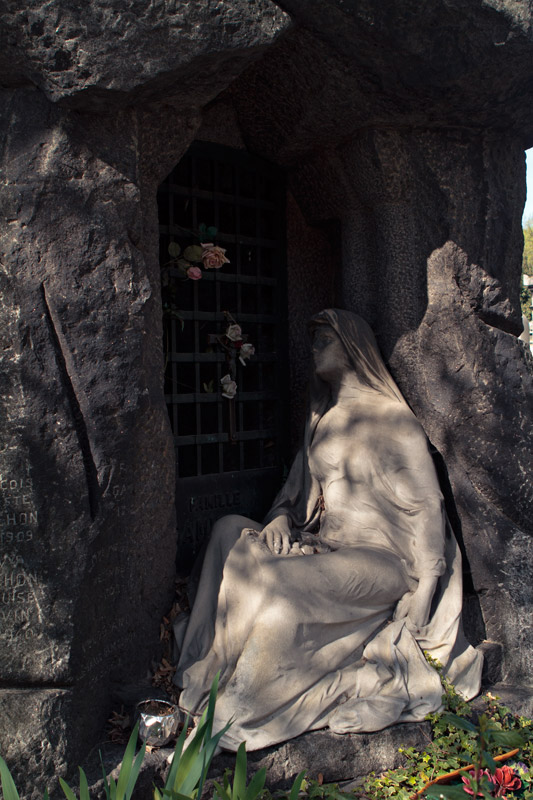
{"x": 528, "y": 208}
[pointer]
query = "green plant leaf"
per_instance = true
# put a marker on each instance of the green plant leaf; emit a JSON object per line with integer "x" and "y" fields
{"x": 211, "y": 232}
{"x": 239, "y": 776}
{"x": 129, "y": 769}
{"x": 459, "y": 722}
{"x": 170, "y": 783}
{"x": 488, "y": 761}
{"x": 449, "y": 792}
{"x": 202, "y": 228}
{"x": 84, "y": 786}
{"x": 136, "y": 768}
{"x": 179, "y": 795}
{"x": 174, "y": 249}
{"x": 256, "y": 785}
{"x": 9, "y": 790}
{"x": 193, "y": 252}
{"x": 510, "y": 739}
{"x": 197, "y": 771}
{"x": 220, "y": 792}
{"x": 297, "y": 785}
{"x": 67, "y": 791}
{"x": 107, "y": 788}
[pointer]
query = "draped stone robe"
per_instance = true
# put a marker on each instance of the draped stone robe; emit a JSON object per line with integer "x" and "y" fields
{"x": 305, "y": 642}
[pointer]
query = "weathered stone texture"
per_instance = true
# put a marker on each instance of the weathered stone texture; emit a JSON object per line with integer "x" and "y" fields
{"x": 337, "y": 758}
{"x": 26, "y": 714}
{"x": 96, "y": 53}
{"x": 87, "y": 463}
{"x": 438, "y": 63}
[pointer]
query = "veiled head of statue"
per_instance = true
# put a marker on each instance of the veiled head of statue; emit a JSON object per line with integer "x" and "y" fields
{"x": 329, "y": 354}
{"x": 360, "y": 351}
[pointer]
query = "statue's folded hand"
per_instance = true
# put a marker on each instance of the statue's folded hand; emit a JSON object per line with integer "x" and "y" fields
{"x": 277, "y": 535}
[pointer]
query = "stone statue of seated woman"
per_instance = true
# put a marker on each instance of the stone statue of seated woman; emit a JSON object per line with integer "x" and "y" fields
{"x": 320, "y": 616}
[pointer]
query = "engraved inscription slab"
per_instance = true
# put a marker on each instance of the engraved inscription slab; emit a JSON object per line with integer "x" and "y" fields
{"x": 201, "y": 501}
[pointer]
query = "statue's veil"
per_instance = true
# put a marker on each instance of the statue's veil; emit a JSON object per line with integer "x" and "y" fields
{"x": 360, "y": 345}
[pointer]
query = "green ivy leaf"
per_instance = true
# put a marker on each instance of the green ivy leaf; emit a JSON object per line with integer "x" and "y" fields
{"x": 174, "y": 249}
{"x": 459, "y": 722}
{"x": 449, "y": 792}
{"x": 211, "y": 232}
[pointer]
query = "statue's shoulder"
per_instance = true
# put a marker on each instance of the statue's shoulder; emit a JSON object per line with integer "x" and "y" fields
{"x": 403, "y": 421}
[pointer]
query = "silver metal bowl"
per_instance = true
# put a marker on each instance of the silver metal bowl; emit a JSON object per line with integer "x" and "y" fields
{"x": 158, "y": 721}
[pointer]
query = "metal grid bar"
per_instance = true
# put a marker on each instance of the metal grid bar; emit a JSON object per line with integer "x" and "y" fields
{"x": 221, "y": 277}
{"x": 194, "y": 397}
{"x": 177, "y": 230}
{"x": 202, "y": 194}
{"x": 249, "y": 207}
{"x": 209, "y": 316}
{"x": 214, "y": 438}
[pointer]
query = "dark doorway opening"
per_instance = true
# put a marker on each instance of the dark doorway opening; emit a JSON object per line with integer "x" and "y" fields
{"x": 230, "y": 454}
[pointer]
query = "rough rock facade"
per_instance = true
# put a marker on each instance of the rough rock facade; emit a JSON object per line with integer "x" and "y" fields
{"x": 402, "y": 131}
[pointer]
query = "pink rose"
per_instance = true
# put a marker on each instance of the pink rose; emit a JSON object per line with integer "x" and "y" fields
{"x": 234, "y": 333}
{"x": 194, "y": 273}
{"x": 213, "y": 256}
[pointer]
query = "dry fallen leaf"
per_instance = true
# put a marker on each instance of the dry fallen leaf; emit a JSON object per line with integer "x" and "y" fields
{"x": 119, "y": 725}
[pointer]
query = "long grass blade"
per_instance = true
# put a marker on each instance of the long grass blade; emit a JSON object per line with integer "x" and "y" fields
{"x": 67, "y": 791}
{"x": 127, "y": 763}
{"x": 256, "y": 784}
{"x": 136, "y": 768}
{"x": 296, "y": 786}
{"x": 171, "y": 777}
{"x": 220, "y": 792}
{"x": 177, "y": 795}
{"x": 104, "y": 775}
{"x": 239, "y": 776}
{"x": 84, "y": 786}
{"x": 9, "y": 790}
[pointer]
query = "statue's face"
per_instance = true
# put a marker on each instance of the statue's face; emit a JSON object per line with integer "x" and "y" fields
{"x": 329, "y": 355}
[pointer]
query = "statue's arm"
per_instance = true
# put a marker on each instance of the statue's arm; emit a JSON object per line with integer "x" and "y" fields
{"x": 291, "y": 495}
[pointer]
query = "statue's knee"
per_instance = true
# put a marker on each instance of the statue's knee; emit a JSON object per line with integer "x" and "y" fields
{"x": 228, "y": 529}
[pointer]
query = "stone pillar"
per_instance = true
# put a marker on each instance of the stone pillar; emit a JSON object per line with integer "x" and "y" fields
{"x": 87, "y": 528}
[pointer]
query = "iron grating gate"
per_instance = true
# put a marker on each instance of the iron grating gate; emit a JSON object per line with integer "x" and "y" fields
{"x": 228, "y": 460}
